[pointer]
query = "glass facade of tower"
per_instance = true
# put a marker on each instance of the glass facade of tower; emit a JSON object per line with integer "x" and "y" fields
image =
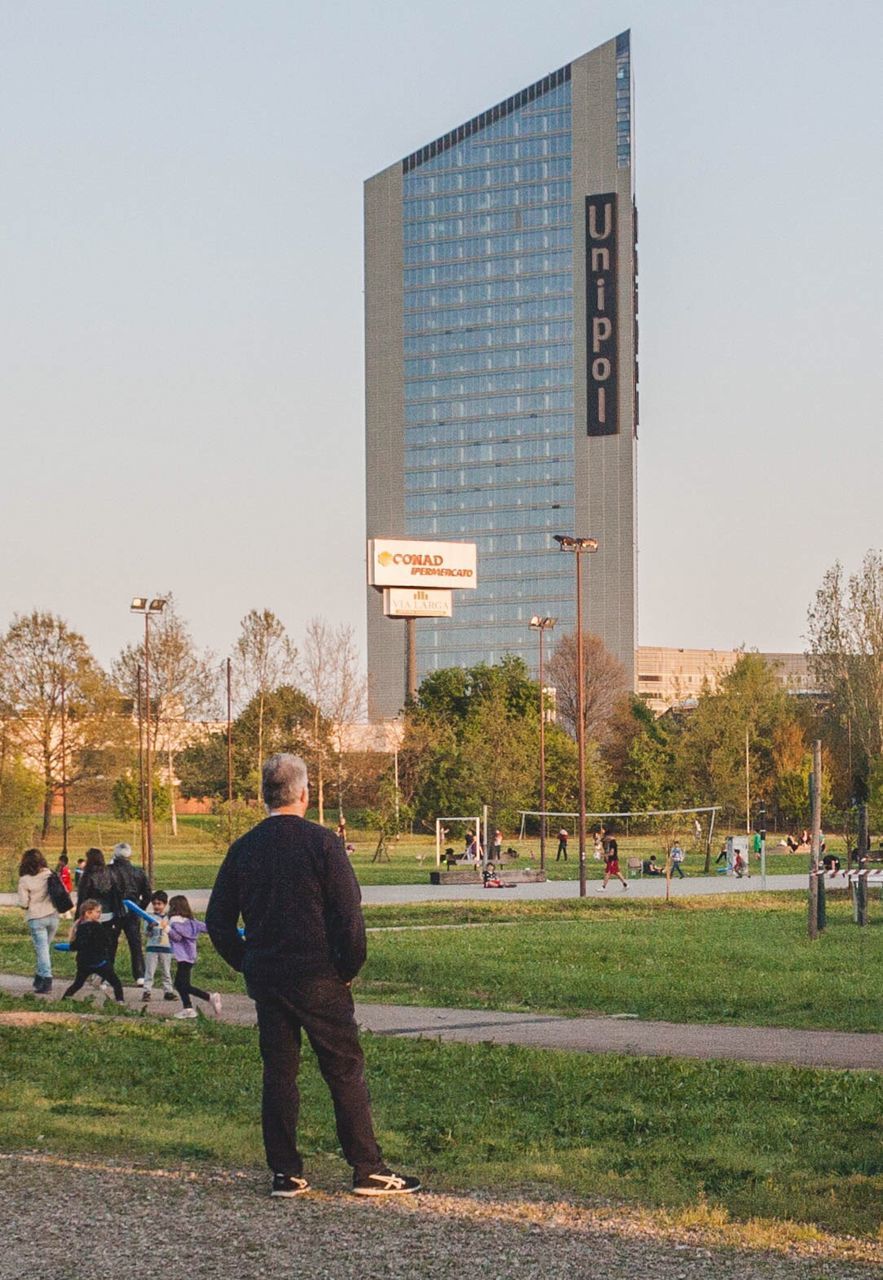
{"x": 489, "y": 364}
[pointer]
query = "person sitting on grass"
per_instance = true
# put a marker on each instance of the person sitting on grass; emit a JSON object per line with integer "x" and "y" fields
{"x": 650, "y": 867}
{"x": 490, "y": 877}
{"x": 94, "y": 943}
{"x": 183, "y": 932}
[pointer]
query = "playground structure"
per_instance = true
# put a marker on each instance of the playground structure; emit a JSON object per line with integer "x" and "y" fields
{"x": 475, "y": 826}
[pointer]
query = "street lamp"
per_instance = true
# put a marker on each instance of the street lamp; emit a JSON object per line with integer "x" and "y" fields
{"x": 578, "y": 546}
{"x": 149, "y": 608}
{"x": 542, "y": 625}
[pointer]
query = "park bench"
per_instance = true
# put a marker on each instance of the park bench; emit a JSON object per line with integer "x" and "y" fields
{"x": 468, "y": 875}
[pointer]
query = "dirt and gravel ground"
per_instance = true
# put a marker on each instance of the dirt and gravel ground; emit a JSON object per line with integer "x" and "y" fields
{"x": 82, "y": 1220}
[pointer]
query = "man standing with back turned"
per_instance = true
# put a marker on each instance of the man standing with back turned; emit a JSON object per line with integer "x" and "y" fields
{"x": 291, "y": 882}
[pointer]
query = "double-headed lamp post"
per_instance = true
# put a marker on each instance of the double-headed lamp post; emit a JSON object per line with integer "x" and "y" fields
{"x": 542, "y": 625}
{"x": 578, "y": 546}
{"x": 149, "y": 608}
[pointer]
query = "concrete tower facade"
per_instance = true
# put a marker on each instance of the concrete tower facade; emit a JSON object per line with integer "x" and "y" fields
{"x": 501, "y": 367}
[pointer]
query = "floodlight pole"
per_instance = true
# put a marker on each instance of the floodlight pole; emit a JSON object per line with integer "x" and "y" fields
{"x": 542, "y": 625}
{"x": 63, "y": 766}
{"x": 148, "y": 607}
{"x": 578, "y": 546}
{"x": 148, "y": 761}
{"x": 229, "y": 751}
{"x": 141, "y": 771}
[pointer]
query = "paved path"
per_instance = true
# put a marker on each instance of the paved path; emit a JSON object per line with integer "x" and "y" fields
{"x": 651, "y": 887}
{"x": 838, "y": 1049}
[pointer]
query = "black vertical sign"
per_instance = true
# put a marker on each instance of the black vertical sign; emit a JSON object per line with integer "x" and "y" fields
{"x": 601, "y": 338}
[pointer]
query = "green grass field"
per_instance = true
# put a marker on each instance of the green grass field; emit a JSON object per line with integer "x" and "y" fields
{"x": 190, "y": 860}
{"x": 731, "y": 960}
{"x": 753, "y": 1142}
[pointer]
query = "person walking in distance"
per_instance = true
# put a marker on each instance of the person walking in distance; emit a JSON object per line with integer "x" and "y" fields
{"x": 294, "y": 888}
{"x": 611, "y": 862}
{"x": 562, "y": 845}
{"x": 676, "y": 857}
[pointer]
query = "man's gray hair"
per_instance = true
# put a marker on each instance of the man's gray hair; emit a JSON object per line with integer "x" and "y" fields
{"x": 284, "y": 778}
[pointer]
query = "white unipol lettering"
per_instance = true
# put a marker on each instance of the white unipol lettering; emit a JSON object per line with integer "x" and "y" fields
{"x": 601, "y": 313}
{"x": 601, "y": 331}
{"x": 593, "y": 221}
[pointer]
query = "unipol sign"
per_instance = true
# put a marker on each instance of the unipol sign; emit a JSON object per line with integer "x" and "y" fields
{"x": 602, "y": 418}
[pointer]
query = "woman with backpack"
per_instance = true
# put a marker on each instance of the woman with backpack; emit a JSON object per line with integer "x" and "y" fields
{"x": 42, "y": 917}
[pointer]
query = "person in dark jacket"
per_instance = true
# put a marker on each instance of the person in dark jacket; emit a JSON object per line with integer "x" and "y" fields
{"x": 294, "y": 888}
{"x": 92, "y": 942}
{"x": 97, "y": 882}
{"x": 132, "y": 883}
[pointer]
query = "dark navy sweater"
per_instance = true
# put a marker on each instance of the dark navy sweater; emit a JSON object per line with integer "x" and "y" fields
{"x": 292, "y": 884}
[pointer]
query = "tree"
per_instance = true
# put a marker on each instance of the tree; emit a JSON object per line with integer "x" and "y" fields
{"x": 604, "y": 683}
{"x": 472, "y": 738}
{"x": 265, "y": 659}
{"x": 126, "y": 796}
{"x": 336, "y": 686}
{"x": 846, "y": 651}
{"x": 50, "y": 681}
{"x": 183, "y": 685}
{"x": 21, "y": 793}
{"x": 709, "y": 765}
{"x": 284, "y": 718}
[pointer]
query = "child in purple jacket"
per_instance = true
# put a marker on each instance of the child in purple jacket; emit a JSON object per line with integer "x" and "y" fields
{"x": 183, "y": 932}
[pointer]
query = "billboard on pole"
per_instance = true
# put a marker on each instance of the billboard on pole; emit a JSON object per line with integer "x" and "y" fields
{"x": 403, "y": 602}
{"x": 393, "y": 562}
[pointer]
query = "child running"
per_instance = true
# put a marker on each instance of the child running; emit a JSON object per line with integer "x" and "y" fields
{"x": 93, "y": 943}
{"x": 159, "y": 947}
{"x": 183, "y": 932}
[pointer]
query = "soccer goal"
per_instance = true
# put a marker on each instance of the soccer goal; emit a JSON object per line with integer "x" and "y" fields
{"x": 443, "y": 830}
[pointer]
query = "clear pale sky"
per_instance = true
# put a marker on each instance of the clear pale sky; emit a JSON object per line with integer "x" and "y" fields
{"x": 181, "y": 400}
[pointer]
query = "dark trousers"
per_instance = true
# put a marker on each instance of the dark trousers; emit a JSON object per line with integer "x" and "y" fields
{"x": 323, "y": 1008}
{"x": 130, "y": 925}
{"x": 562, "y": 850}
{"x": 105, "y": 972}
{"x": 183, "y": 985}
{"x": 676, "y": 867}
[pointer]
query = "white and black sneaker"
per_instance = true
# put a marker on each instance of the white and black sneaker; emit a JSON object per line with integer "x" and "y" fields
{"x": 385, "y": 1183}
{"x": 286, "y": 1185}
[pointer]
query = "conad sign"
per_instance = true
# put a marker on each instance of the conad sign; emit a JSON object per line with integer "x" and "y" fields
{"x": 421, "y": 564}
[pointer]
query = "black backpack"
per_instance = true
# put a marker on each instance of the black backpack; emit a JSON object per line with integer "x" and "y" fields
{"x": 58, "y": 895}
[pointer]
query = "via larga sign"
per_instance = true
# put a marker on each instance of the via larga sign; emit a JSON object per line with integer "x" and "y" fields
{"x": 396, "y": 563}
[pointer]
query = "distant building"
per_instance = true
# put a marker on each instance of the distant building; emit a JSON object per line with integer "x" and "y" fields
{"x": 668, "y": 677}
{"x": 501, "y": 345}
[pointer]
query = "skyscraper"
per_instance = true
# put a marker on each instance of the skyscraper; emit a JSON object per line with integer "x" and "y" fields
{"x": 501, "y": 335}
